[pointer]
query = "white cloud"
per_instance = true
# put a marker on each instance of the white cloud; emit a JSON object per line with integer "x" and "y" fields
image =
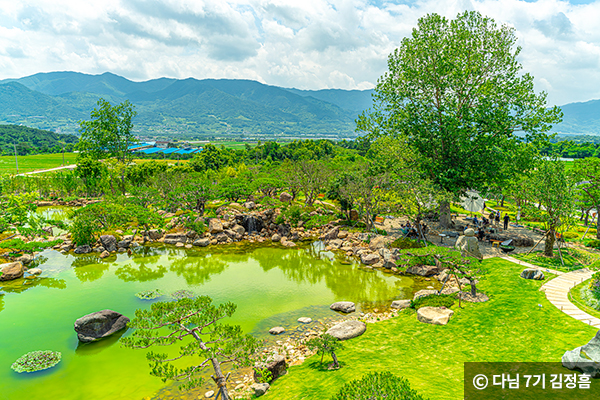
{"x": 311, "y": 44}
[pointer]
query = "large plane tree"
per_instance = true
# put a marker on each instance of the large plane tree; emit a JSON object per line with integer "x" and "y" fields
{"x": 455, "y": 89}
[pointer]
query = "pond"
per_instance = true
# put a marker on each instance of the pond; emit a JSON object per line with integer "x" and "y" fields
{"x": 270, "y": 285}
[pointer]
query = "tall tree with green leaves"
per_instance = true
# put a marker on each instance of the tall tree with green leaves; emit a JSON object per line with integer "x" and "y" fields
{"x": 195, "y": 324}
{"x": 109, "y": 131}
{"x": 456, "y": 90}
{"x": 587, "y": 174}
{"x": 554, "y": 189}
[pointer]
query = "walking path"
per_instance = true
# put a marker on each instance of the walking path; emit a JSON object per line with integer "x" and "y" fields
{"x": 72, "y": 166}
{"x": 557, "y": 290}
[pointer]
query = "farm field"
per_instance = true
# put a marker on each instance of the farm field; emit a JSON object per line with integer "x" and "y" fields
{"x": 35, "y": 162}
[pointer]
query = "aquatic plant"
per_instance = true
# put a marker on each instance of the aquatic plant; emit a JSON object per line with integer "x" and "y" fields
{"x": 36, "y": 361}
{"x": 149, "y": 294}
{"x": 183, "y": 294}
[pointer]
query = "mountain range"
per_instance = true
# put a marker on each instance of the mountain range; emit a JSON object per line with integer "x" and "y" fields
{"x": 192, "y": 108}
{"x": 182, "y": 107}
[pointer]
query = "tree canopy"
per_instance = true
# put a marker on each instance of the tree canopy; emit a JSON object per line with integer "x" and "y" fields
{"x": 456, "y": 90}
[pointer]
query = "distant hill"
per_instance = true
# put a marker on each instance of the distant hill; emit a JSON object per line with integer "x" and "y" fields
{"x": 580, "y": 118}
{"x": 185, "y": 107}
{"x": 33, "y": 141}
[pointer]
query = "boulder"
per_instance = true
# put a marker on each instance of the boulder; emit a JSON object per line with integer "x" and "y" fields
{"x": 284, "y": 230}
{"x": 354, "y": 215}
{"x": 517, "y": 239}
{"x": 275, "y": 237}
{"x": 400, "y": 304}
{"x": 174, "y": 238}
{"x": 285, "y": 197}
{"x": 84, "y": 249}
{"x": 277, "y": 330}
{"x": 343, "y": 306}
{"x": 215, "y": 225}
{"x": 585, "y": 358}
{"x": 98, "y": 325}
{"x": 124, "y": 243}
{"x": 532, "y": 273}
{"x": 250, "y": 205}
{"x": 109, "y": 242}
{"x": 155, "y": 234}
{"x": 275, "y": 365}
{"x": 104, "y": 254}
{"x": 287, "y": 243}
{"x": 342, "y": 234}
{"x": 369, "y": 259}
{"x": 347, "y": 330}
{"x": 252, "y": 224}
{"x": 378, "y": 242}
{"x": 260, "y": 388}
{"x": 238, "y": 229}
{"x": 331, "y": 234}
{"x": 34, "y": 271}
{"x": 389, "y": 265}
{"x": 423, "y": 293}
{"x": 10, "y": 271}
{"x": 469, "y": 245}
{"x": 422, "y": 270}
{"x": 25, "y": 259}
{"x": 434, "y": 315}
{"x": 305, "y": 320}
{"x": 202, "y": 242}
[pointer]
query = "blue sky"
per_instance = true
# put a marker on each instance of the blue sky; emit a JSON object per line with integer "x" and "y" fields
{"x": 308, "y": 44}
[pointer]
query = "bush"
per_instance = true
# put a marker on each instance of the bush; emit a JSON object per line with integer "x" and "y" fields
{"x": 317, "y": 221}
{"x": 433, "y": 300}
{"x": 593, "y": 243}
{"x": 29, "y": 247}
{"x": 376, "y": 386}
{"x": 406, "y": 243}
{"x": 570, "y": 235}
{"x": 595, "y": 284}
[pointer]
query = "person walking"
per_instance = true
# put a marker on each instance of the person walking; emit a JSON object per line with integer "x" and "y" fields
{"x": 506, "y": 219}
{"x": 497, "y": 219}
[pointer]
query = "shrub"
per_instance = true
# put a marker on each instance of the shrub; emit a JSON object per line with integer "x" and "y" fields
{"x": 378, "y": 386}
{"x": 570, "y": 235}
{"x": 317, "y": 221}
{"x": 433, "y": 300}
{"x": 593, "y": 243}
{"x": 406, "y": 243}
{"x": 595, "y": 284}
{"x": 29, "y": 247}
{"x": 195, "y": 225}
{"x": 36, "y": 361}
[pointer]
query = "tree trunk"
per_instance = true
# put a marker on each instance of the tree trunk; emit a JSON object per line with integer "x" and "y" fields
{"x": 336, "y": 364}
{"x": 445, "y": 217}
{"x": 473, "y": 287}
{"x": 549, "y": 247}
{"x": 597, "y": 222}
{"x": 502, "y": 202}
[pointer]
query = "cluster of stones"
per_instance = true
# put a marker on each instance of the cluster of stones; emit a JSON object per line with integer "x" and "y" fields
{"x": 18, "y": 269}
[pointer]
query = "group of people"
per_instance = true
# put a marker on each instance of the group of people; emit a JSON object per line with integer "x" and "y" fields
{"x": 411, "y": 231}
{"x": 494, "y": 218}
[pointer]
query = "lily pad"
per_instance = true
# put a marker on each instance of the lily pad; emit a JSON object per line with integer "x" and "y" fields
{"x": 36, "y": 361}
{"x": 183, "y": 294}
{"x": 149, "y": 294}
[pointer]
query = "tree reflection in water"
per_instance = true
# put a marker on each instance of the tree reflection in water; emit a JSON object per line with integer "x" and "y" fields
{"x": 144, "y": 258}
{"x": 89, "y": 268}
{"x": 21, "y": 285}
{"x": 197, "y": 270}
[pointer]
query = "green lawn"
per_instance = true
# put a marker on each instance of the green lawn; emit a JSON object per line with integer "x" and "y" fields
{"x": 574, "y": 258}
{"x": 36, "y": 162}
{"x": 509, "y": 327}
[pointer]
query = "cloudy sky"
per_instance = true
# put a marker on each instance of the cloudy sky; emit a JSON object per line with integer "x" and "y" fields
{"x": 307, "y": 44}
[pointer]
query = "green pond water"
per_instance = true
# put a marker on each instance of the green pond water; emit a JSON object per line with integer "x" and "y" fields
{"x": 271, "y": 286}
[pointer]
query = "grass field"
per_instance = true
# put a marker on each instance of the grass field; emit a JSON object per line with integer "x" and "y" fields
{"x": 510, "y": 327}
{"x": 575, "y": 297}
{"x": 36, "y": 162}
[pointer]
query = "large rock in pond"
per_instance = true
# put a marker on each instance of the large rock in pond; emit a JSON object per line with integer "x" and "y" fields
{"x": 98, "y": 325}
{"x": 10, "y": 271}
{"x": 343, "y": 306}
{"x": 369, "y": 259}
{"x": 532, "y": 273}
{"x": 347, "y": 330}
{"x": 423, "y": 293}
{"x": 434, "y": 315}
{"x": 585, "y": 358}
{"x": 400, "y": 304}
{"x": 275, "y": 365}
{"x": 25, "y": 259}
{"x": 215, "y": 225}
{"x": 109, "y": 242}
